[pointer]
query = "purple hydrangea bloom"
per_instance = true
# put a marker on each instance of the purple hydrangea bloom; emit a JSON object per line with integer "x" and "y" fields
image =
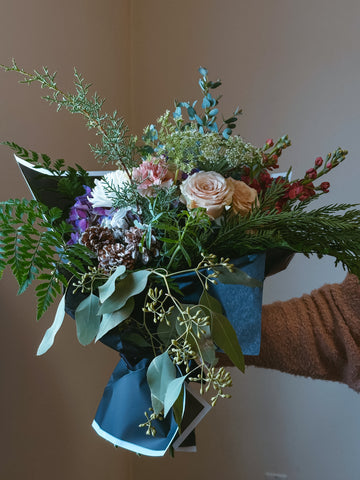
{"x": 83, "y": 215}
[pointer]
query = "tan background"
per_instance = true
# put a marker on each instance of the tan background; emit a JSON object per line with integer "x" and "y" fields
{"x": 294, "y": 67}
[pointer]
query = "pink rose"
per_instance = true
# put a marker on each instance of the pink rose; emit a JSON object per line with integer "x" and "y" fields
{"x": 244, "y": 197}
{"x": 150, "y": 174}
{"x": 208, "y": 190}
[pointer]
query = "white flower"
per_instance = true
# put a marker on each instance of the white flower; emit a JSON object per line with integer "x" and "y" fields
{"x": 105, "y": 189}
{"x": 117, "y": 221}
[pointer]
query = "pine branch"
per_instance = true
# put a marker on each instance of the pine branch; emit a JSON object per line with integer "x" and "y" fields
{"x": 321, "y": 232}
{"x": 271, "y": 195}
{"x": 117, "y": 145}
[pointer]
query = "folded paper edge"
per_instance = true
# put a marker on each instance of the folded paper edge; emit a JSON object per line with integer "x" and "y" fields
{"x": 130, "y": 446}
{"x": 205, "y": 410}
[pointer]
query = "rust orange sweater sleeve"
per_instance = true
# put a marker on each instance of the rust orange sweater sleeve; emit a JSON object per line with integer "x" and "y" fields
{"x": 317, "y": 335}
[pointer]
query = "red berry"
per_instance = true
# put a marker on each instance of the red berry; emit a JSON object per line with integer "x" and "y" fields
{"x": 311, "y": 173}
{"x": 325, "y": 186}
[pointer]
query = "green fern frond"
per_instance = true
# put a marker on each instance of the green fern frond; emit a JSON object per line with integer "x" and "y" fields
{"x": 69, "y": 182}
{"x": 34, "y": 250}
{"x": 38, "y": 160}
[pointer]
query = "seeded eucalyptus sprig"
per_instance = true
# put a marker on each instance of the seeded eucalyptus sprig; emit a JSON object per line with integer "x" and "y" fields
{"x": 117, "y": 145}
{"x": 182, "y": 337}
{"x": 186, "y": 337}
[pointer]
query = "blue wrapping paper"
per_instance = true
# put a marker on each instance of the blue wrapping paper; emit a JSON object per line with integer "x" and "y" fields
{"x": 127, "y": 395}
{"x": 121, "y": 409}
{"x": 241, "y": 304}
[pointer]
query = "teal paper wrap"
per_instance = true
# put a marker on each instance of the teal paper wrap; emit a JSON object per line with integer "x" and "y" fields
{"x": 241, "y": 304}
{"x": 127, "y": 395}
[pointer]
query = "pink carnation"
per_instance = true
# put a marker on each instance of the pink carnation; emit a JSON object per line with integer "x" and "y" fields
{"x": 152, "y": 173}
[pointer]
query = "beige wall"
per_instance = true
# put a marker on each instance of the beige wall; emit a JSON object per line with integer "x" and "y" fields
{"x": 48, "y": 403}
{"x": 294, "y": 67}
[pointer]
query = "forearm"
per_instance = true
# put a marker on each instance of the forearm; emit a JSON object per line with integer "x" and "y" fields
{"x": 317, "y": 335}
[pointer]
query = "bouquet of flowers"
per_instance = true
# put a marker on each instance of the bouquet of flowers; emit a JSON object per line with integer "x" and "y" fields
{"x": 163, "y": 258}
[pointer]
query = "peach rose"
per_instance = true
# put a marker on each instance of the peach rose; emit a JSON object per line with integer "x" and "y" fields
{"x": 244, "y": 197}
{"x": 208, "y": 190}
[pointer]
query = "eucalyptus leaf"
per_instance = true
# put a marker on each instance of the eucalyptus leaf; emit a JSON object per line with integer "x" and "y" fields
{"x": 224, "y": 336}
{"x": 198, "y": 119}
{"x": 177, "y": 112}
{"x": 213, "y": 127}
{"x": 213, "y": 112}
{"x": 226, "y": 133}
{"x": 49, "y": 337}
{"x": 108, "y": 288}
{"x": 191, "y": 112}
{"x": 178, "y": 408}
{"x": 206, "y": 103}
{"x": 212, "y": 303}
{"x": 172, "y": 393}
{"x": 160, "y": 374}
{"x": 87, "y": 319}
{"x": 133, "y": 284}
{"x": 112, "y": 320}
{"x": 237, "y": 277}
{"x": 215, "y": 84}
{"x": 167, "y": 332}
{"x": 230, "y": 120}
{"x": 207, "y": 350}
{"x": 136, "y": 339}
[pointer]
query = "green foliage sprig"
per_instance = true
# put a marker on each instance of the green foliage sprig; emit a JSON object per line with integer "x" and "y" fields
{"x": 180, "y": 335}
{"x": 145, "y": 233}
{"x": 188, "y": 148}
{"x": 35, "y": 250}
{"x": 70, "y": 180}
{"x": 38, "y": 160}
{"x": 207, "y": 121}
{"x": 117, "y": 145}
{"x": 182, "y": 235}
{"x": 310, "y": 232}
